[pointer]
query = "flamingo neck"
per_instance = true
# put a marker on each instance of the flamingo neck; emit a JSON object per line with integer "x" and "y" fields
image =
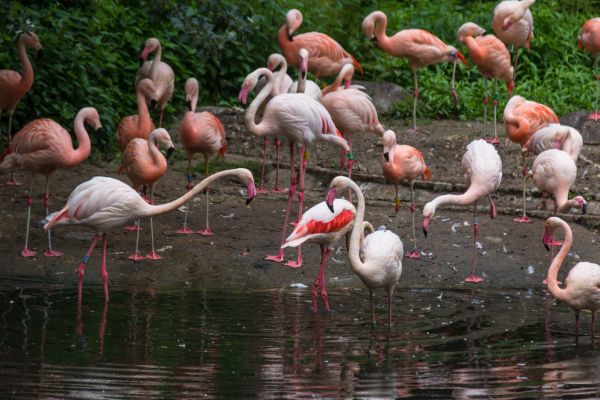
{"x": 194, "y": 101}
{"x": 144, "y": 120}
{"x": 467, "y": 198}
{"x": 552, "y": 277}
{"x": 301, "y": 83}
{"x": 261, "y": 129}
{"x": 156, "y": 63}
{"x": 26, "y": 80}
{"x": 357, "y": 230}
{"x": 83, "y": 139}
{"x": 475, "y": 51}
{"x": 287, "y": 46}
{"x": 158, "y": 160}
{"x": 279, "y": 76}
{"x": 335, "y": 85}
{"x": 383, "y": 40}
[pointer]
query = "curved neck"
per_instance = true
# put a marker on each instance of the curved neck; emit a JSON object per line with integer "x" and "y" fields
{"x": 194, "y": 102}
{"x": 552, "y": 277}
{"x": 144, "y": 120}
{"x": 357, "y": 229}
{"x": 383, "y": 41}
{"x": 27, "y": 74}
{"x": 468, "y": 197}
{"x": 475, "y": 51}
{"x": 156, "y": 63}
{"x": 279, "y": 77}
{"x": 83, "y": 139}
{"x": 158, "y": 160}
{"x": 335, "y": 85}
{"x": 262, "y": 128}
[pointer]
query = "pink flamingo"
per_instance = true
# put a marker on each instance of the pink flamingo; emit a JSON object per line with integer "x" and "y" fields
{"x": 199, "y": 133}
{"x": 555, "y": 136}
{"x": 326, "y": 55}
{"x": 521, "y": 119}
{"x": 302, "y": 120}
{"x": 377, "y": 260}
{"x": 303, "y": 85}
{"x": 105, "y": 204}
{"x": 352, "y": 112}
{"x": 403, "y": 162}
{"x": 159, "y": 72}
{"x": 42, "y": 147}
{"x": 13, "y": 85}
{"x": 144, "y": 164}
{"x": 483, "y": 171}
{"x": 418, "y": 46}
{"x": 138, "y": 125}
{"x": 589, "y": 40}
{"x": 582, "y": 286}
{"x": 493, "y": 61}
{"x": 513, "y": 24}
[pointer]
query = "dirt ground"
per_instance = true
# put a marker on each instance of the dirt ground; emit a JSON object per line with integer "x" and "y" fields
{"x": 510, "y": 255}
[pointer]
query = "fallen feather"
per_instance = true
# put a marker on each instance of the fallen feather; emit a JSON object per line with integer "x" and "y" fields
{"x": 164, "y": 248}
{"x": 530, "y": 269}
{"x": 298, "y": 286}
{"x": 454, "y": 226}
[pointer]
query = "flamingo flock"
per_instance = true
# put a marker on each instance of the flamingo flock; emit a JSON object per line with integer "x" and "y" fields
{"x": 307, "y": 116}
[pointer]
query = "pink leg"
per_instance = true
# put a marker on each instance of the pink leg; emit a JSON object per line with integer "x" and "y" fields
{"x": 12, "y": 181}
{"x": 342, "y": 161}
{"x": 153, "y": 255}
{"x": 415, "y": 98}
{"x": 184, "y": 230}
{"x": 103, "y": 273}
{"x": 27, "y": 252}
{"x": 320, "y": 281}
{"x": 474, "y": 278}
{"x": 81, "y": 268}
{"x": 160, "y": 120}
{"x": 372, "y": 306}
{"x": 390, "y": 303}
{"x": 350, "y": 164}
{"x": 279, "y": 257}
{"x": 136, "y": 256}
{"x": 277, "y": 189}
{"x": 414, "y": 254}
{"x": 595, "y": 116}
{"x": 302, "y": 162}
{"x": 206, "y": 231}
{"x": 261, "y": 188}
{"x": 524, "y": 219}
{"x": 50, "y": 252}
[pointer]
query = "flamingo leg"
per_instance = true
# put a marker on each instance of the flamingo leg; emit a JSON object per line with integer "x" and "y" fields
{"x": 414, "y": 254}
{"x": 495, "y": 140}
{"x": 12, "y": 181}
{"x": 576, "y": 323}
{"x": 103, "y": 272}
{"x": 184, "y": 230}
{"x": 26, "y": 251}
{"x": 277, "y": 189}
{"x": 320, "y": 281}
{"x": 415, "y": 97}
{"x": 136, "y": 256}
{"x": 342, "y": 161}
{"x": 524, "y": 218}
{"x": 206, "y": 231}
{"x": 350, "y": 164}
{"x": 390, "y": 303}
{"x": 160, "y": 120}
{"x": 303, "y": 162}
{"x": 595, "y": 115}
{"x": 279, "y": 257}
{"x": 486, "y": 100}
{"x": 396, "y": 208}
{"x": 516, "y": 61}
{"x": 592, "y": 327}
{"x": 153, "y": 254}
{"x": 49, "y": 252}
{"x": 261, "y": 188}
{"x": 81, "y": 268}
{"x": 474, "y": 278}
{"x": 372, "y": 307}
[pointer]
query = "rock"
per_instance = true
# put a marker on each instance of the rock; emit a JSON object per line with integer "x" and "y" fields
{"x": 590, "y": 130}
{"x": 384, "y": 94}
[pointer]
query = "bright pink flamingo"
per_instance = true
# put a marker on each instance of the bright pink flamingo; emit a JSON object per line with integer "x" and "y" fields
{"x": 513, "y": 24}
{"x": 582, "y": 286}
{"x": 326, "y": 55}
{"x": 105, "y": 204}
{"x": 403, "y": 162}
{"x": 418, "y": 46}
{"x": 521, "y": 119}
{"x": 159, "y": 72}
{"x": 199, "y": 133}
{"x": 13, "y": 85}
{"x": 42, "y": 147}
{"x": 555, "y": 136}
{"x": 483, "y": 171}
{"x": 303, "y": 121}
{"x": 138, "y": 125}
{"x": 377, "y": 259}
{"x": 493, "y": 61}
{"x": 352, "y": 112}
{"x": 589, "y": 40}
{"x": 144, "y": 165}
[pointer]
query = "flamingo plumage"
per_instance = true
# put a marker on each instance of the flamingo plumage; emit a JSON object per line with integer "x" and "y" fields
{"x": 589, "y": 40}
{"x": 138, "y": 125}
{"x": 555, "y": 136}
{"x": 512, "y": 23}
{"x": 304, "y": 85}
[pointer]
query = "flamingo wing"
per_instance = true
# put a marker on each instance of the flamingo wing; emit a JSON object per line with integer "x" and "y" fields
{"x": 320, "y": 45}
{"x": 351, "y": 110}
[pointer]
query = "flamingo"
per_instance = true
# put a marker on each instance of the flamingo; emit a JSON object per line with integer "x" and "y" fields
{"x": 42, "y": 147}
{"x": 138, "y": 125}
{"x": 326, "y": 55}
{"x": 302, "y": 120}
{"x": 513, "y": 24}
{"x": 352, "y": 112}
{"x": 483, "y": 171}
{"x": 403, "y": 162}
{"x": 381, "y": 251}
{"x": 303, "y": 85}
{"x": 418, "y": 46}
{"x": 521, "y": 119}
{"x": 159, "y": 72}
{"x": 555, "y": 136}
{"x": 13, "y": 85}
{"x": 199, "y": 133}
{"x": 105, "y": 204}
{"x": 144, "y": 164}
{"x": 493, "y": 61}
{"x": 582, "y": 286}
{"x": 589, "y": 40}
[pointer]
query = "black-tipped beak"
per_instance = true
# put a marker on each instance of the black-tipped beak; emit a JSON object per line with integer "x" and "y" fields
{"x": 251, "y": 192}
{"x": 290, "y": 37}
{"x": 170, "y": 151}
{"x": 153, "y": 103}
{"x": 374, "y": 39}
{"x": 386, "y": 156}
{"x": 99, "y": 131}
{"x": 40, "y": 54}
{"x": 330, "y": 198}
{"x": 425, "y": 232}
{"x": 584, "y": 209}
{"x": 188, "y": 104}
{"x": 303, "y": 74}
{"x": 141, "y": 61}
{"x": 546, "y": 246}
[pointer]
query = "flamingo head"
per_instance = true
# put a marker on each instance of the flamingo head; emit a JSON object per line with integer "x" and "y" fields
{"x": 293, "y": 20}
{"x": 161, "y": 137}
{"x": 32, "y": 41}
{"x": 92, "y": 117}
{"x": 303, "y": 62}
{"x": 247, "y": 178}
{"x": 428, "y": 212}
{"x": 347, "y": 72}
{"x": 549, "y": 227}
{"x": 251, "y": 81}
{"x": 369, "y": 25}
{"x": 274, "y": 61}
{"x": 469, "y": 29}
{"x": 581, "y": 203}
{"x": 150, "y": 46}
{"x": 389, "y": 141}
{"x": 191, "y": 93}
{"x": 329, "y": 199}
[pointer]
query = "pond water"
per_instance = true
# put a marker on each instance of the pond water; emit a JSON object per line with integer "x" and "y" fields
{"x": 269, "y": 344}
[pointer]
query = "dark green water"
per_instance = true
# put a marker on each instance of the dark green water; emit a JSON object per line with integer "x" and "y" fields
{"x": 268, "y": 344}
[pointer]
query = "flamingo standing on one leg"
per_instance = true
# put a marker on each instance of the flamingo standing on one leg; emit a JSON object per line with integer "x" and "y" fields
{"x": 403, "y": 162}
{"x": 144, "y": 164}
{"x": 138, "y": 125}
{"x": 326, "y": 55}
{"x": 104, "y": 204}
{"x": 589, "y": 40}
{"x": 199, "y": 133}
{"x": 418, "y": 46}
{"x": 159, "y": 72}
{"x": 582, "y": 286}
{"x": 382, "y": 251}
{"x": 302, "y": 120}
{"x": 493, "y": 61}
{"x": 521, "y": 119}
{"x": 513, "y": 24}
{"x": 483, "y": 170}
{"x": 42, "y": 147}
{"x": 13, "y": 85}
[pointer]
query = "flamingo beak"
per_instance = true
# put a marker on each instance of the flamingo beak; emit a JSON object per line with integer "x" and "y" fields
{"x": 188, "y": 104}
{"x": 243, "y": 96}
{"x": 584, "y": 209}
{"x": 290, "y": 35}
{"x": 579, "y": 44}
{"x": 547, "y": 239}
{"x": 270, "y": 67}
{"x": 330, "y": 198}
{"x": 386, "y": 155}
{"x": 153, "y": 103}
{"x": 303, "y": 67}
{"x": 170, "y": 151}
{"x": 251, "y": 192}
{"x": 425, "y": 226}
{"x": 39, "y": 54}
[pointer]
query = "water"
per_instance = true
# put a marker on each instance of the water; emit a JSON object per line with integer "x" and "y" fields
{"x": 269, "y": 344}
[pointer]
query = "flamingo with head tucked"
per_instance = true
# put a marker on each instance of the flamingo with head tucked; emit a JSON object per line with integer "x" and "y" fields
{"x": 138, "y": 125}
{"x": 199, "y": 133}
{"x": 582, "y": 286}
{"x": 555, "y": 136}
{"x": 513, "y": 24}
{"x": 105, "y": 204}
{"x": 418, "y": 46}
{"x": 589, "y": 40}
{"x": 326, "y": 55}
{"x": 302, "y": 120}
{"x": 483, "y": 170}
{"x": 159, "y": 72}
{"x": 42, "y": 147}
{"x": 13, "y": 85}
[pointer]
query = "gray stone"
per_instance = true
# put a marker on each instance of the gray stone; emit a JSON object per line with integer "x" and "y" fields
{"x": 590, "y": 130}
{"x": 385, "y": 95}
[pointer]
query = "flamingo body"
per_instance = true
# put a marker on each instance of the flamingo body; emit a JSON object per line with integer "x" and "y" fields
{"x": 524, "y": 117}
{"x": 512, "y": 22}
{"x": 555, "y": 136}
{"x": 589, "y": 37}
